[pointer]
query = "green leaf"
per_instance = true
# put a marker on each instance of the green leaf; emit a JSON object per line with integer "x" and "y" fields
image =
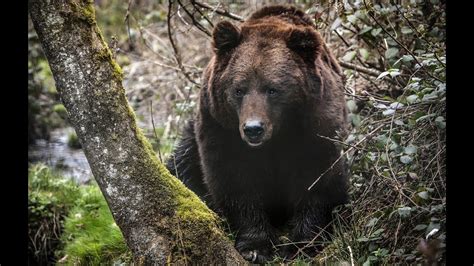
{"x": 406, "y": 30}
{"x": 406, "y": 159}
{"x": 349, "y": 56}
{"x": 423, "y": 117}
{"x": 412, "y": 98}
{"x": 355, "y": 119}
{"x": 396, "y": 105}
{"x": 388, "y": 112}
{"x": 383, "y": 74}
{"x": 372, "y": 222}
{"x": 429, "y": 97}
{"x": 407, "y": 58}
{"x": 391, "y": 52}
{"x": 440, "y": 123}
{"x": 366, "y": 263}
{"x": 350, "y": 138}
{"x": 365, "y": 29}
{"x": 336, "y": 24}
{"x": 404, "y": 211}
{"x": 352, "y": 106}
{"x": 376, "y": 31}
{"x": 410, "y": 149}
{"x": 364, "y": 53}
{"x": 382, "y": 139}
{"x": 423, "y": 194}
{"x": 394, "y": 73}
{"x": 377, "y": 232}
{"x": 413, "y": 176}
{"x": 398, "y": 122}
{"x": 352, "y": 18}
{"x": 420, "y": 227}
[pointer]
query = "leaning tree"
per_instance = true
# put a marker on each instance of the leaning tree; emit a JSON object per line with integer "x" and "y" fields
{"x": 161, "y": 220}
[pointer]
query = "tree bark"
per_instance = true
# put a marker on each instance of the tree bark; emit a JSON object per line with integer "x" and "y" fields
{"x": 162, "y": 221}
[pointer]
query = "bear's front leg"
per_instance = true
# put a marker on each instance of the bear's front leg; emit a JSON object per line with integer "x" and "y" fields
{"x": 255, "y": 237}
{"x": 311, "y": 228}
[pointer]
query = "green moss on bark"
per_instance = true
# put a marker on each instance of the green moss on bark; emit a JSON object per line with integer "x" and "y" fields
{"x": 84, "y": 11}
{"x": 193, "y": 221}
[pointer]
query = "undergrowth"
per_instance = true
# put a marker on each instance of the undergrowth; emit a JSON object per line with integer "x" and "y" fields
{"x": 70, "y": 223}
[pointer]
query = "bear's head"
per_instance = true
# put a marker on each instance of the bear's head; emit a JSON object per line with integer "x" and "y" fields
{"x": 263, "y": 74}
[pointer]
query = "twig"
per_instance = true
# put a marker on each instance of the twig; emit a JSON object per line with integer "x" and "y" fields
{"x": 344, "y": 154}
{"x": 342, "y": 38}
{"x": 221, "y": 12}
{"x": 127, "y": 20}
{"x": 154, "y": 130}
{"x": 341, "y": 142}
{"x": 352, "y": 257}
{"x": 436, "y": 156}
{"x": 195, "y": 22}
{"x": 175, "y": 49}
{"x": 368, "y": 71}
{"x": 202, "y": 15}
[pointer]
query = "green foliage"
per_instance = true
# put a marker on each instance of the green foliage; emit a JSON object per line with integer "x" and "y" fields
{"x": 397, "y": 143}
{"x": 69, "y": 221}
{"x": 50, "y": 197}
{"x": 73, "y": 140}
{"x": 60, "y": 110}
{"x": 90, "y": 233}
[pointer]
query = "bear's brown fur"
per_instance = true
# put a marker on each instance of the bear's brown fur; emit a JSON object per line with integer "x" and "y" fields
{"x": 271, "y": 94}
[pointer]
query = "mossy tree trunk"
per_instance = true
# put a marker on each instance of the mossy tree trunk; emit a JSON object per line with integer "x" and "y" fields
{"x": 161, "y": 220}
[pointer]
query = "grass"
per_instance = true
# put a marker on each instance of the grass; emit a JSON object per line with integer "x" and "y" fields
{"x": 70, "y": 223}
{"x": 91, "y": 235}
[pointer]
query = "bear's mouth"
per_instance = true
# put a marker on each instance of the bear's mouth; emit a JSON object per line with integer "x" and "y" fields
{"x": 254, "y": 143}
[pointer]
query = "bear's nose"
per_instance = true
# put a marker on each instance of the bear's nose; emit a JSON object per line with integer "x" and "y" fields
{"x": 253, "y": 129}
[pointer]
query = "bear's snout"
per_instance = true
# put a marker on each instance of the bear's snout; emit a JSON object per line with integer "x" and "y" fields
{"x": 253, "y": 130}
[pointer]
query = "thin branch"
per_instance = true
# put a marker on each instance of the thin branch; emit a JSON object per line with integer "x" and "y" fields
{"x": 195, "y": 22}
{"x": 175, "y": 49}
{"x": 127, "y": 21}
{"x": 202, "y": 15}
{"x": 361, "y": 69}
{"x": 341, "y": 142}
{"x": 221, "y": 12}
{"x": 344, "y": 154}
{"x": 154, "y": 130}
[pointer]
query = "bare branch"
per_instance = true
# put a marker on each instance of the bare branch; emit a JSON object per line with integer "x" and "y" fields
{"x": 368, "y": 71}
{"x": 221, "y": 12}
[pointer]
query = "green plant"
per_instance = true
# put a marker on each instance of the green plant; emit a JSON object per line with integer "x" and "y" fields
{"x": 69, "y": 221}
{"x": 73, "y": 140}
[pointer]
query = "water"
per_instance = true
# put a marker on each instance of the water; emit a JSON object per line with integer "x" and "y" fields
{"x": 55, "y": 153}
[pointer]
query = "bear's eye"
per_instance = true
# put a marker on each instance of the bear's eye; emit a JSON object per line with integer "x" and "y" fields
{"x": 239, "y": 92}
{"x": 272, "y": 91}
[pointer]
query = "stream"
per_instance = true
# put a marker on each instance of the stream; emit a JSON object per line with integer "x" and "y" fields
{"x": 56, "y": 154}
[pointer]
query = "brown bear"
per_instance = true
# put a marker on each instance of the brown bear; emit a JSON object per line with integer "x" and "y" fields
{"x": 271, "y": 99}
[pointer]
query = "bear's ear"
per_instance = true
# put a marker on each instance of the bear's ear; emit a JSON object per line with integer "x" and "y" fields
{"x": 306, "y": 42}
{"x": 225, "y": 36}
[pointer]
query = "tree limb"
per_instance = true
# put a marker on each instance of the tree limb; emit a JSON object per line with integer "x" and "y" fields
{"x": 219, "y": 11}
{"x": 368, "y": 71}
